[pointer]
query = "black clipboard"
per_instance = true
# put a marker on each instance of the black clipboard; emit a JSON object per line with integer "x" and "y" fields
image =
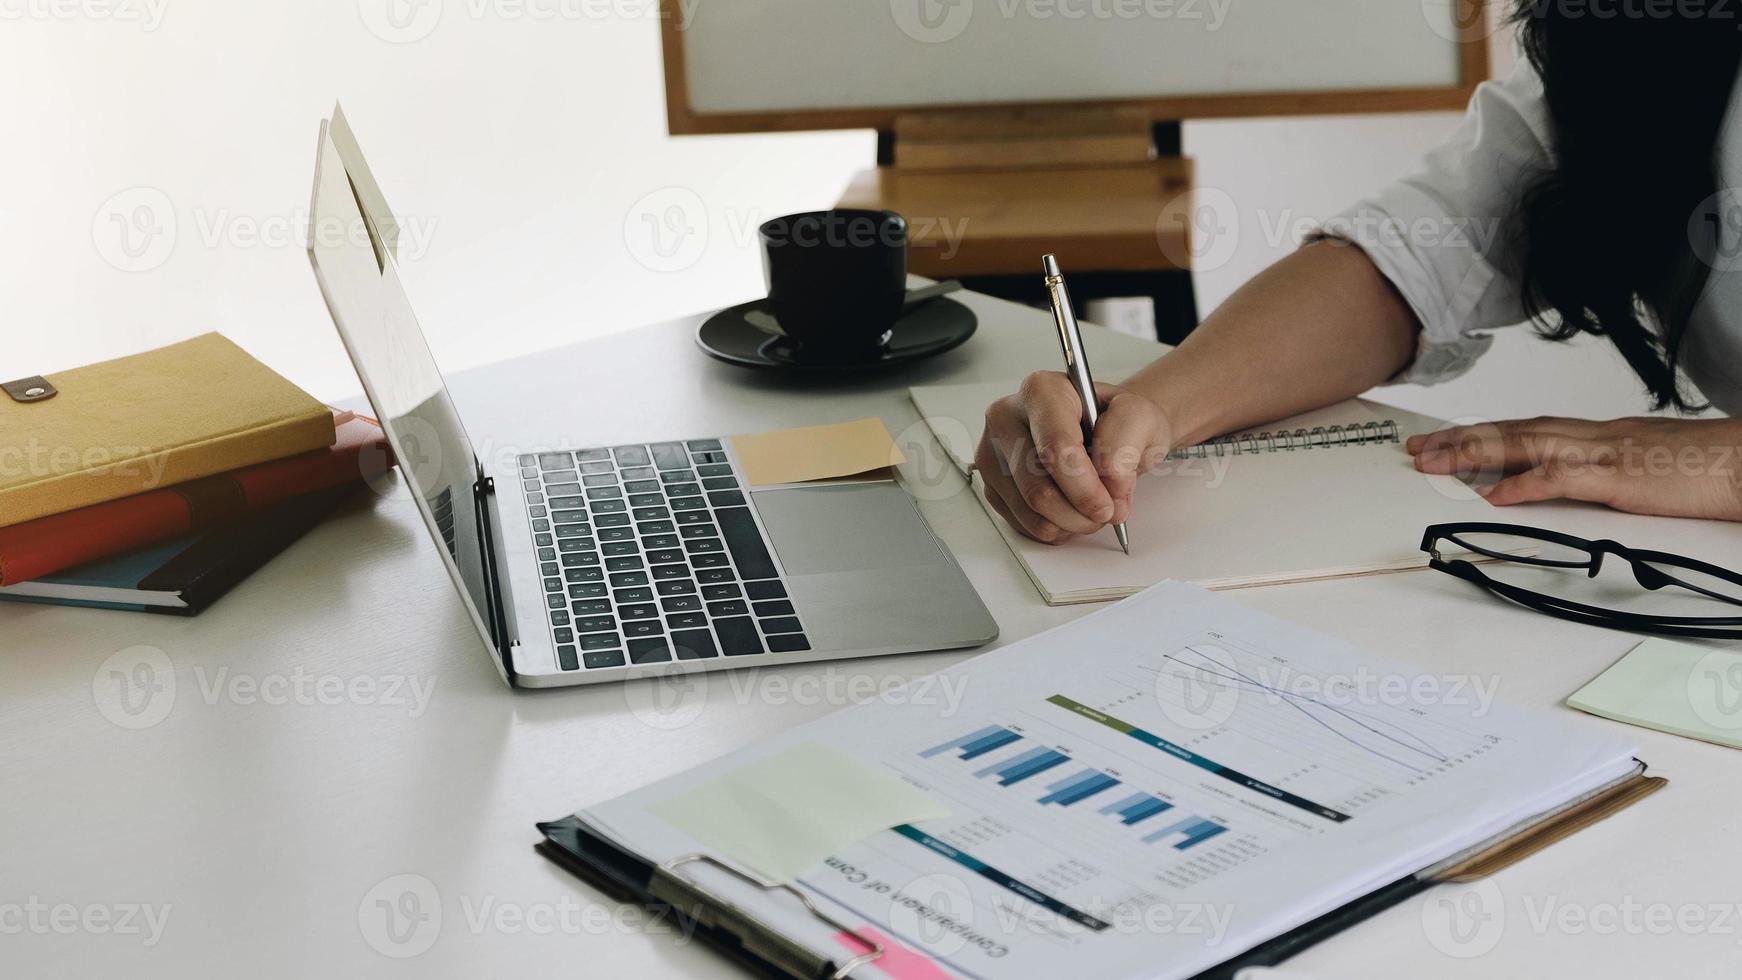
{"x": 739, "y": 935}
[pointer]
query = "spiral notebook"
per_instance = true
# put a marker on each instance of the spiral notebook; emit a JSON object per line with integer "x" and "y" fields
{"x": 1328, "y": 494}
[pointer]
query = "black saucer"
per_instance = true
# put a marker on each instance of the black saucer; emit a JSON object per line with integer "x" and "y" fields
{"x": 927, "y": 329}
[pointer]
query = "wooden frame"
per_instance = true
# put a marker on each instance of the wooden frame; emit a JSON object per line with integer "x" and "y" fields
{"x": 681, "y": 120}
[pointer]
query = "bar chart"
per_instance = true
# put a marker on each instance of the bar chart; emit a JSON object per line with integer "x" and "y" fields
{"x": 1026, "y": 765}
{"x": 1078, "y": 788}
{"x": 976, "y": 744}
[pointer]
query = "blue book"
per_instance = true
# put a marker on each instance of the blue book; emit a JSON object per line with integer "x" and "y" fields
{"x": 183, "y": 576}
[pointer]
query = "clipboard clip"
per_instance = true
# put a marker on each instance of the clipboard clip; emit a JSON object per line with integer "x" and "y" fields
{"x": 717, "y": 913}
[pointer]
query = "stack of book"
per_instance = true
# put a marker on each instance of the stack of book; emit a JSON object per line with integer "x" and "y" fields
{"x": 156, "y": 482}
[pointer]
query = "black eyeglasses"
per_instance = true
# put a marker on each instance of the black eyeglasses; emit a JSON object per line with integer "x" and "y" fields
{"x": 1516, "y": 545}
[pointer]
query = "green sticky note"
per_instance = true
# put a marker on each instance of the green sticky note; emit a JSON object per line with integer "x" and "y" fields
{"x": 781, "y": 816}
{"x": 1680, "y": 688}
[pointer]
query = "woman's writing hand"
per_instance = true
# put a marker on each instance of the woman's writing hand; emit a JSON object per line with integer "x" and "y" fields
{"x": 1041, "y": 478}
{"x": 1669, "y": 467}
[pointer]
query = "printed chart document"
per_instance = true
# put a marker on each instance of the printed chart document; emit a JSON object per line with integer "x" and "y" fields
{"x": 1322, "y": 495}
{"x": 1149, "y": 792}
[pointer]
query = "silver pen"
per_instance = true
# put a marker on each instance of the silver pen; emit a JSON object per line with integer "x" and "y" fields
{"x": 1076, "y": 362}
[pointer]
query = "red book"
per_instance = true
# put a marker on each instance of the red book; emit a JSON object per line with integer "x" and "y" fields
{"x": 48, "y": 544}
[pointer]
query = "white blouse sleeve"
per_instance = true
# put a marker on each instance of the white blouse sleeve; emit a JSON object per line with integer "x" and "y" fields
{"x": 1444, "y": 235}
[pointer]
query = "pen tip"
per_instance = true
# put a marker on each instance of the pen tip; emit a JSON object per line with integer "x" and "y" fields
{"x": 1124, "y": 538}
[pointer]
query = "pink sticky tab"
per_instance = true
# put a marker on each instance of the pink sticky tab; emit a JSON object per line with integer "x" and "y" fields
{"x": 897, "y": 962}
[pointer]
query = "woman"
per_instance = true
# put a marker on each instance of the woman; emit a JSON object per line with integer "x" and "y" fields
{"x": 1586, "y": 194}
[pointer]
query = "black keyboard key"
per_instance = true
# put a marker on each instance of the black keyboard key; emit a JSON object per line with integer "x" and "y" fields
{"x": 642, "y": 486}
{"x": 535, "y": 498}
{"x": 727, "y": 498}
{"x": 651, "y": 514}
{"x": 567, "y": 503}
{"x": 555, "y": 601}
{"x": 609, "y": 506}
{"x": 573, "y": 530}
{"x": 559, "y": 618}
{"x": 604, "y": 493}
{"x": 745, "y": 540}
{"x": 677, "y": 476}
{"x": 570, "y": 517}
{"x": 785, "y": 625}
{"x": 584, "y": 574}
{"x": 619, "y": 548}
{"x": 623, "y": 580}
{"x": 643, "y": 627}
{"x": 681, "y": 604}
{"x": 779, "y": 607}
{"x": 530, "y": 486}
{"x": 591, "y": 455}
{"x": 650, "y": 651}
{"x": 666, "y": 572}
{"x": 639, "y": 500}
{"x": 541, "y": 525}
{"x": 731, "y": 607}
{"x": 570, "y": 545}
{"x": 720, "y": 483}
{"x": 527, "y": 460}
{"x": 655, "y": 527}
{"x": 713, "y": 592}
{"x": 565, "y": 658}
{"x": 670, "y": 456}
{"x": 687, "y": 621}
{"x": 699, "y": 531}
{"x": 703, "y": 546}
{"x": 611, "y": 520}
{"x": 549, "y": 568}
{"x": 631, "y": 456}
{"x": 624, "y": 564}
{"x": 599, "y": 641}
{"x": 676, "y": 587}
{"x": 638, "y": 610}
{"x": 528, "y": 472}
{"x": 703, "y": 445}
{"x": 542, "y": 540}
{"x": 537, "y": 510}
{"x": 694, "y": 645}
{"x": 563, "y": 634}
{"x": 788, "y": 643}
{"x": 556, "y": 461}
{"x": 616, "y": 533}
{"x": 553, "y": 584}
{"x": 591, "y": 607}
{"x": 710, "y": 457}
{"x": 664, "y": 542}
{"x": 587, "y": 590}
{"x": 636, "y": 473}
{"x": 624, "y": 596}
{"x": 682, "y": 490}
{"x": 709, "y": 561}
{"x": 663, "y": 556}
{"x": 582, "y": 559}
{"x": 712, "y": 576}
{"x": 765, "y": 590}
{"x": 714, "y": 469}
{"x": 562, "y": 476}
{"x": 738, "y": 636}
{"x": 596, "y": 467}
{"x": 600, "y": 624}
{"x": 595, "y": 480}
{"x": 693, "y": 517}
{"x": 603, "y": 658}
{"x": 546, "y": 554}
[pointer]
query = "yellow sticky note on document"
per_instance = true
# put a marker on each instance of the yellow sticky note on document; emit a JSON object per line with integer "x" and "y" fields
{"x": 1687, "y": 690}
{"x": 783, "y": 815}
{"x": 818, "y": 452}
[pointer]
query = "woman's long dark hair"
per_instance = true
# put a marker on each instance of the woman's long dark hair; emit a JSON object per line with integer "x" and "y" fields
{"x": 1635, "y": 102}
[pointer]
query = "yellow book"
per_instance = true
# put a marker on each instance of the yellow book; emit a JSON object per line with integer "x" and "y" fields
{"x": 151, "y": 420}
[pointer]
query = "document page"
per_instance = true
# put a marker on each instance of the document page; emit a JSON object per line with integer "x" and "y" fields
{"x": 1159, "y": 786}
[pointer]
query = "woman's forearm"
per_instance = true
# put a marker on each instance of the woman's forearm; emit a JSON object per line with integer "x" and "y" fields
{"x": 1316, "y": 328}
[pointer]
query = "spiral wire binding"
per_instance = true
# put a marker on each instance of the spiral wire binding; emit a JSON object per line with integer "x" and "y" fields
{"x": 1317, "y": 437}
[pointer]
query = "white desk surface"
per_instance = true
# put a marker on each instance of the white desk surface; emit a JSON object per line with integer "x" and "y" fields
{"x": 265, "y": 826}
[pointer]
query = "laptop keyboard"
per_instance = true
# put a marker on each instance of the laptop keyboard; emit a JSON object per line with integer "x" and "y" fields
{"x": 649, "y": 554}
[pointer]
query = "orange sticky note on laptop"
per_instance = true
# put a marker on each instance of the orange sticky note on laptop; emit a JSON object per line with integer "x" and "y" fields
{"x": 818, "y": 452}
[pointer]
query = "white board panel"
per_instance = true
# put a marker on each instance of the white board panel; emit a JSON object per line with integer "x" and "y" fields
{"x": 790, "y": 55}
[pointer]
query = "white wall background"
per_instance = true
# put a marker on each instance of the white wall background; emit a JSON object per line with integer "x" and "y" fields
{"x": 522, "y": 144}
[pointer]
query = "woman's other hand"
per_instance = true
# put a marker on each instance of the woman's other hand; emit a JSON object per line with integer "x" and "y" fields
{"x": 1041, "y": 478}
{"x": 1667, "y": 467}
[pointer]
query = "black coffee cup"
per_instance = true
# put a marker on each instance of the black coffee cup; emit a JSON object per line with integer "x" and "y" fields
{"x": 837, "y": 279}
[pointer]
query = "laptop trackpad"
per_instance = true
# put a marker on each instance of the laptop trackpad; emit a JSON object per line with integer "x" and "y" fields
{"x": 845, "y": 528}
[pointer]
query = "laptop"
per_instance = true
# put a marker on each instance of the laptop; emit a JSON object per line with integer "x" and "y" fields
{"x": 615, "y": 561}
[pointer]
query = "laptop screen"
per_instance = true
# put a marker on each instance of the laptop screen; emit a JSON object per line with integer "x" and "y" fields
{"x": 360, "y": 280}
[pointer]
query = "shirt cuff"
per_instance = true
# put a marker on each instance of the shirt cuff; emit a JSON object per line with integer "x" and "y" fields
{"x": 1432, "y": 261}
